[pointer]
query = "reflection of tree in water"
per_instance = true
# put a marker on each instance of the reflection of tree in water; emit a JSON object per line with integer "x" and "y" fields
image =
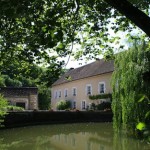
{"x": 122, "y": 141}
{"x": 40, "y": 143}
{"x": 88, "y": 136}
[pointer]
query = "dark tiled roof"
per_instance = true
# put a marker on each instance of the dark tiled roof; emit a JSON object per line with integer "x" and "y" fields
{"x": 18, "y": 91}
{"x": 96, "y": 68}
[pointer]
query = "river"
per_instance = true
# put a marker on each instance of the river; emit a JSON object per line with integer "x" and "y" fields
{"x": 78, "y": 136}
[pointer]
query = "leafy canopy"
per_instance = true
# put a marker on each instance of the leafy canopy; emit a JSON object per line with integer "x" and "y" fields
{"x": 33, "y": 30}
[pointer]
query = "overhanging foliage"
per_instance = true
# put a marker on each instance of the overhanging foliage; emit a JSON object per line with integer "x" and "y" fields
{"x": 33, "y": 30}
{"x": 129, "y": 86}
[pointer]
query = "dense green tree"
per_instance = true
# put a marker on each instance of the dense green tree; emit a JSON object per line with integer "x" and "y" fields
{"x": 33, "y": 29}
{"x": 131, "y": 86}
{"x": 24, "y": 74}
{"x": 44, "y": 98}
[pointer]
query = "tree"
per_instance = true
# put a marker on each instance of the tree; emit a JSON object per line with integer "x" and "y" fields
{"x": 131, "y": 11}
{"x": 33, "y": 29}
{"x": 44, "y": 98}
{"x": 131, "y": 88}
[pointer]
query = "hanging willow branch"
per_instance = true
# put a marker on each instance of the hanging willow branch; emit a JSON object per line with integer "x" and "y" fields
{"x": 128, "y": 83}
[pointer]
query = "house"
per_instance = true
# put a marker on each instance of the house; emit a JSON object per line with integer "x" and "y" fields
{"x": 78, "y": 84}
{"x": 26, "y": 97}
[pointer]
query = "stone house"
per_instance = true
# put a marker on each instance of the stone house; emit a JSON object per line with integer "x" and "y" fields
{"x": 78, "y": 84}
{"x": 26, "y": 97}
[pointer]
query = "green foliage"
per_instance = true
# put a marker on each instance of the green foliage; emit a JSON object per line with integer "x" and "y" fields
{"x": 104, "y": 105}
{"x": 63, "y": 105}
{"x": 32, "y": 30}
{"x": 100, "y": 96}
{"x": 3, "y": 104}
{"x": 13, "y": 108}
{"x": 12, "y": 82}
{"x": 129, "y": 86}
{"x": 44, "y": 97}
{"x": 2, "y": 81}
{"x": 23, "y": 74}
{"x": 141, "y": 126}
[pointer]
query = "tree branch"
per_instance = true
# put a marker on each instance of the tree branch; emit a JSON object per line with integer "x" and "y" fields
{"x": 138, "y": 17}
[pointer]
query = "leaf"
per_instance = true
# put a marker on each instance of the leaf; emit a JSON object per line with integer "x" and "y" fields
{"x": 60, "y": 46}
{"x": 140, "y": 126}
{"x": 141, "y": 99}
{"x": 147, "y": 114}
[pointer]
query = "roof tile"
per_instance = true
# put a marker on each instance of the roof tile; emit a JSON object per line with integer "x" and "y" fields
{"x": 96, "y": 68}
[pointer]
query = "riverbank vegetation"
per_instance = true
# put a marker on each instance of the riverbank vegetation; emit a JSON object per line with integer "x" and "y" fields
{"x": 3, "y": 105}
{"x": 131, "y": 89}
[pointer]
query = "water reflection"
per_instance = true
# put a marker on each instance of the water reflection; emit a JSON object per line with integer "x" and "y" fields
{"x": 91, "y": 136}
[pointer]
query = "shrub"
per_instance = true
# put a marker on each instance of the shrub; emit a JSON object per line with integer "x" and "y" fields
{"x": 3, "y": 104}
{"x": 104, "y": 105}
{"x": 93, "y": 106}
{"x": 63, "y": 105}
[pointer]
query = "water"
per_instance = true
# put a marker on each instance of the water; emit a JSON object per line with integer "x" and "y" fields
{"x": 82, "y": 136}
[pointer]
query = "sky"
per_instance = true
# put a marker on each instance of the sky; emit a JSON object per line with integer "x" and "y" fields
{"x": 76, "y": 63}
{"x": 70, "y": 62}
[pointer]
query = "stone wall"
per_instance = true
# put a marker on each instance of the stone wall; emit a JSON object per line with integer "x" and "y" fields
{"x": 26, "y": 97}
{"x": 25, "y": 118}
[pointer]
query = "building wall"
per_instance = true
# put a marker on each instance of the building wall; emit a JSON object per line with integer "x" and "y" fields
{"x": 26, "y": 96}
{"x": 80, "y": 86}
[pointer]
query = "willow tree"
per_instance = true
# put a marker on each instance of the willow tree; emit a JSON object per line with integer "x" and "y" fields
{"x": 131, "y": 88}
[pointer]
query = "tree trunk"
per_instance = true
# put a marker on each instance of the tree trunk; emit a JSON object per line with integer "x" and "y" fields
{"x": 138, "y": 17}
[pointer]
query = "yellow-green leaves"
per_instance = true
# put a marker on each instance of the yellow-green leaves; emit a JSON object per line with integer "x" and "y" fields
{"x": 141, "y": 126}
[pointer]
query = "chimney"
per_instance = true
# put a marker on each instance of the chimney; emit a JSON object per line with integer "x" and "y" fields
{"x": 71, "y": 69}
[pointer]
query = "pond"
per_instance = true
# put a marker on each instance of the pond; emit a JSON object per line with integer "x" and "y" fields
{"x": 79, "y": 136}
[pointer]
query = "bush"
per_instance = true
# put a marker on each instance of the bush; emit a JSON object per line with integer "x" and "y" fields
{"x": 13, "y": 108}
{"x": 63, "y": 105}
{"x": 3, "y": 104}
{"x": 104, "y": 105}
{"x": 93, "y": 106}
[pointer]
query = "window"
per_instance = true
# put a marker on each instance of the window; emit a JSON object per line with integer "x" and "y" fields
{"x": 101, "y": 87}
{"x": 59, "y": 93}
{"x": 20, "y": 104}
{"x": 73, "y": 141}
{"x": 88, "y": 89}
{"x": 83, "y": 105}
{"x": 74, "y": 91}
{"x": 65, "y": 92}
{"x": 74, "y": 105}
{"x": 56, "y": 95}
